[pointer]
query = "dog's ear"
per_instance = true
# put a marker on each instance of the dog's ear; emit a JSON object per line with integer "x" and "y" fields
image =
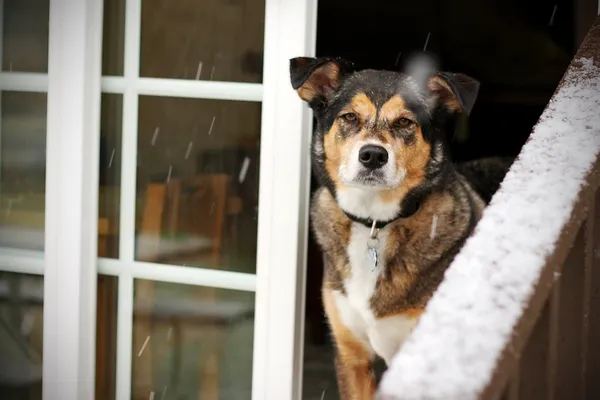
{"x": 317, "y": 79}
{"x": 457, "y": 92}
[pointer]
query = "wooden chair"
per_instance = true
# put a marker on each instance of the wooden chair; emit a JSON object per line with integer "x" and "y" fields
{"x": 194, "y": 208}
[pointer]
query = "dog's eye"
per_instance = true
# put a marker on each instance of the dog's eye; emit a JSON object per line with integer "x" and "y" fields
{"x": 403, "y": 122}
{"x": 350, "y": 117}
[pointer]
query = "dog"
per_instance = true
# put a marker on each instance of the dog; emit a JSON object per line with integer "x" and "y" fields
{"x": 392, "y": 210}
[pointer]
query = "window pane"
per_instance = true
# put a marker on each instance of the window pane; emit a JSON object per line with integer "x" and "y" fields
{"x": 106, "y": 337}
{"x": 220, "y": 40}
{"x": 22, "y": 170}
{"x": 197, "y": 181}
{"x": 25, "y": 35}
{"x": 191, "y": 342}
{"x": 21, "y": 336}
{"x": 113, "y": 41}
{"x": 110, "y": 175}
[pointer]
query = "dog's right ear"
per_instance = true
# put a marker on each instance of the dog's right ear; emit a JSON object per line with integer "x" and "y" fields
{"x": 317, "y": 79}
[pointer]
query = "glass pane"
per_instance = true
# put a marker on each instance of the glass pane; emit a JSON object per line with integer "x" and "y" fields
{"x": 106, "y": 337}
{"x": 21, "y": 336}
{"x": 25, "y": 35}
{"x": 22, "y": 170}
{"x": 197, "y": 195}
{"x": 219, "y": 40}
{"x": 191, "y": 342}
{"x": 110, "y": 175}
{"x": 113, "y": 41}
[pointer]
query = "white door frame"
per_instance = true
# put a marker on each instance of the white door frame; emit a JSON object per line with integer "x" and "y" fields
{"x": 70, "y": 265}
{"x": 71, "y": 236}
{"x": 290, "y": 31}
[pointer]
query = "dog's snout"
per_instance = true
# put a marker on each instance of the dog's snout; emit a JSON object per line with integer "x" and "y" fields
{"x": 373, "y": 156}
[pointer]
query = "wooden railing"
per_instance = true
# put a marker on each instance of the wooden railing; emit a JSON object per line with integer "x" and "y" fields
{"x": 518, "y": 313}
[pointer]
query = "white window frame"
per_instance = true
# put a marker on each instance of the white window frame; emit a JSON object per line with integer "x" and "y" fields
{"x": 70, "y": 265}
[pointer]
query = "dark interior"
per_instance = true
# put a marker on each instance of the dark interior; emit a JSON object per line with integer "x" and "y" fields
{"x": 517, "y": 49}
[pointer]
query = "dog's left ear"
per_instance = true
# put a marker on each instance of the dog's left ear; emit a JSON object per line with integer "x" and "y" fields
{"x": 317, "y": 79}
{"x": 457, "y": 92}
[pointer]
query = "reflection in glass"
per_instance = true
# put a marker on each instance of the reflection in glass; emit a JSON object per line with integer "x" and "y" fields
{"x": 21, "y": 336}
{"x": 106, "y": 337}
{"x": 22, "y": 170}
{"x": 24, "y": 35}
{"x": 218, "y": 40}
{"x": 113, "y": 37}
{"x": 198, "y": 182}
{"x": 191, "y": 342}
{"x": 109, "y": 191}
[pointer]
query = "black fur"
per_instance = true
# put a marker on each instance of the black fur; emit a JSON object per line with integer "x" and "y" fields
{"x": 486, "y": 174}
{"x": 436, "y": 124}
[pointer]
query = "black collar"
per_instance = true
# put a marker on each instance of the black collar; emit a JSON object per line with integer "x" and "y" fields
{"x": 368, "y": 222}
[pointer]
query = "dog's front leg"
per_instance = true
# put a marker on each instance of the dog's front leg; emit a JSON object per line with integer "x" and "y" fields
{"x": 354, "y": 360}
{"x": 356, "y": 380}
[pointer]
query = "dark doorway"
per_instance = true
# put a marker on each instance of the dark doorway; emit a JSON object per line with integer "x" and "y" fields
{"x": 517, "y": 49}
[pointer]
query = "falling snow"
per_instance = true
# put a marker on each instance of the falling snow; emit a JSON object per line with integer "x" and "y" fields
{"x": 492, "y": 279}
{"x": 199, "y": 70}
{"x": 244, "y": 169}
{"x": 189, "y": 150}
{"x": 398, "y": 58}
{"x": 112, "y": 156}
{"x": 211, "y": 125}
{"x": 551, "y": 22}
{"x": 426, "y": 41}
{"x": 155, "y": 135}
{"x": 434, "y": 222}
{"x": 169, "y": 174}
{"x": 144, "y": 346}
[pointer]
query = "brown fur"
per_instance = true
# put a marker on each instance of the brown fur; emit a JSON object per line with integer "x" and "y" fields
{"x": 322, "y": 82}
{"x": 412, "y": 156}
{"x": 420, "y": 261}
{"x": 416, "y": 263}
{"x": 415, "y": 256}
{"x": 353, "y": 361}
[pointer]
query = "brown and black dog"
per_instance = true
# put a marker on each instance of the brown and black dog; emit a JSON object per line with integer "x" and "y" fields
{"x": 392, "y": 210}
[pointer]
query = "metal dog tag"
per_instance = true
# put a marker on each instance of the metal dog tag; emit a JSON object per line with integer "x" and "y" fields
{"x": 374, "y": 257}
{"x": 372, "y": 245}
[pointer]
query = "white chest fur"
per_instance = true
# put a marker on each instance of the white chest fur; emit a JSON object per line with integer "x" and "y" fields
{"x": 382, "y": 336}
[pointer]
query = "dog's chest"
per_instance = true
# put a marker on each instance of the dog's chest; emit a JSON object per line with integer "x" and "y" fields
{"x": 383, "y": 335}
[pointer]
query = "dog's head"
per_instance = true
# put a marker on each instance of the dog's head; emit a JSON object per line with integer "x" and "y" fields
{"x": 380, "y": 135}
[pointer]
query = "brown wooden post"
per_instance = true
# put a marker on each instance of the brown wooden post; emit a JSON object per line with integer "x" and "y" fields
{"x": 587, "y": 291}
{"x": 534, "y": 360}
{"x": 554, "y": 302}
{"x": 512, "y": 390}
{"x": 569, "y": 369}
{"x": 593, "y": 328}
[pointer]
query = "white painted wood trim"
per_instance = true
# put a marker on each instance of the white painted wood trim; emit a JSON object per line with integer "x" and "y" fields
{"x": 73, "y": 129}
{"x": 290, "y": 31}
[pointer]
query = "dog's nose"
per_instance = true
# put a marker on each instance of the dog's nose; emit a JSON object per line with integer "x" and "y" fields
{"x": 373, "y": 156}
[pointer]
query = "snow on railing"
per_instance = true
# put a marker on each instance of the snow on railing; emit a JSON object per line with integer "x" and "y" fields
{"x": 476, "y": 325}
